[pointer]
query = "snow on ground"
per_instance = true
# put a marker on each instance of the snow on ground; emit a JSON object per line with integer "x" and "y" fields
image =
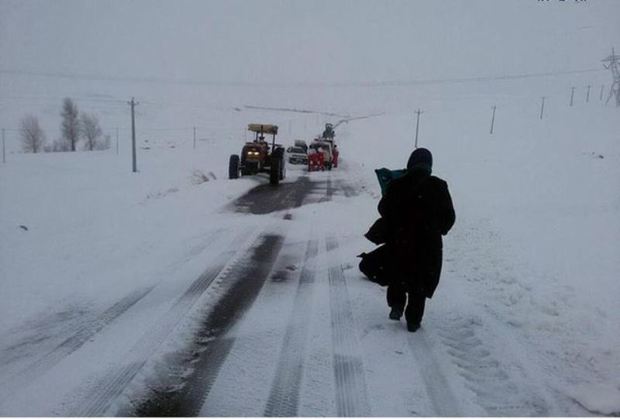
{"x": 535, "y": 243}
{"x": 89, "y": 215}
{"x": 524, "y": 322}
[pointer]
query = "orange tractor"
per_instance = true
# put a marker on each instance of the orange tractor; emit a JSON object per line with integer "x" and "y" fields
{"x": 258, "y": 156}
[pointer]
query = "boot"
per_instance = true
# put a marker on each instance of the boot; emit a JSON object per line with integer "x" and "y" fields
{"x": 413, "y": 327}
{"x": 396, "y": 313}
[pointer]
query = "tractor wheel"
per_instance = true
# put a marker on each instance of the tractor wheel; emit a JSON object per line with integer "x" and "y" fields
{"x": 282, "y": 170}
{"x": 233, "y": 166}
{"x": 274, "y": 172}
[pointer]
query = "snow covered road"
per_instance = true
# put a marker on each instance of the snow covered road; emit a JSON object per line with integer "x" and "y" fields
{"x": 308, "y": 347}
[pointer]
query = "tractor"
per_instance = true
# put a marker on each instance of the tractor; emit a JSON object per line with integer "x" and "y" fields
{"x": 258, "y": 156}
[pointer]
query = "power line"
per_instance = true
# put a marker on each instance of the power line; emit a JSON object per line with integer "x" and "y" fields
{"x": 127, "y": 128}
{"x": 58, "y": 98}
{"x": 386, "y": 83}
{"x": 293, "y": 110}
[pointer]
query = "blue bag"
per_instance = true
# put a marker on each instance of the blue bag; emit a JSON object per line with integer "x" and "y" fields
{"x": 385, "y": 176}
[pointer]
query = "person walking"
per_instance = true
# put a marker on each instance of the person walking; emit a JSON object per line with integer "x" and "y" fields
{"x": 418, "y": 211}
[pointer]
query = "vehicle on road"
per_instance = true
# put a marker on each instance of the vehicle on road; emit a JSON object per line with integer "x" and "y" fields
{"x": 296, "y": 155}
{"x": 320, "y": 155}
{"x": 258, "y": 156}
{"x": 316, "y": 160}
{"x": 302, "y": 144}
{"x": 328, "y": 135}
{"x": 335, "y": 153}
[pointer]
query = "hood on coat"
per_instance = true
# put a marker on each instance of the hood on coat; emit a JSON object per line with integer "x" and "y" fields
{"x": 420, "y": 159}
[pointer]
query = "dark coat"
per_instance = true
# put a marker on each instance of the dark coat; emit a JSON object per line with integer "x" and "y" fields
{"x": 418, "y": 210}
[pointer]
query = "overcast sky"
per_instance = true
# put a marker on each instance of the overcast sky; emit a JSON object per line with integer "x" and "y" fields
{"x": 306, "y": 41}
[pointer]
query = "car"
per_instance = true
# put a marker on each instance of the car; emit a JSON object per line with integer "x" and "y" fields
{"x": 296, "y": 155}
{"x": 302, "y": 144}
{"x": 258, "y": 156}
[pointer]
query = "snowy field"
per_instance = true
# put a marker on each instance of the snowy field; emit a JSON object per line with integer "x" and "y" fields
{"x": 94, "y": 261}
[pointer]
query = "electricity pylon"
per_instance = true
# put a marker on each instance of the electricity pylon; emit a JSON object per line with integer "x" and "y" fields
{"x": 613, "y": 63}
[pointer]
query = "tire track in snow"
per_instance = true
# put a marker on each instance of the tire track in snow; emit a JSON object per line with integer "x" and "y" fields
{"x": 106, "y": 392}
{"x": 247, "y": 276}
{"x": 437, "y": 386}
{"x": 351, "y": 391}
{"x": 329, "y": 190}
{"x": 284, "y": 397}
{"x": 237, "y": 301}
{"x": 71, "y": 344}
{"x": 100, "y": 397}
{"x": 86, "y": 331}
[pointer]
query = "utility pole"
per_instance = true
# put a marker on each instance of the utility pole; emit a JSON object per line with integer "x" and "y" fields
{"x": 117, "y": 141}
{"x": 493, "y": 119}
{"x": 3, "y": 148}
{"x": 614, "y": 66}
{"x": 602, "y": 88}
{"x": 417, "y": 126}
{"x": 194, "y": 138}
{"x": 588, "y": 94}
{"x": 572, "y": 94}
{"x": 133, "y": 104}
{"x": 542, "y": 107}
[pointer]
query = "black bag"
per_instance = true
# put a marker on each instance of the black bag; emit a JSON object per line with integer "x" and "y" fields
{"x": 377, "y": 233}
{"x": 376, "y": 265}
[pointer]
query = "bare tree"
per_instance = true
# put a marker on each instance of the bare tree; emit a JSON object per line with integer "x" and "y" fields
{"x": 59, "y": 145}
{"x": 89, "y": 125}
{"x": 32, "y": 136}
{"x": 105, "y": 144}
{"x": 70, "y": 126}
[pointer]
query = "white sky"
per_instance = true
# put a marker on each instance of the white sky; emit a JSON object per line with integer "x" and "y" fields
{"x": 305, "y": 41}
